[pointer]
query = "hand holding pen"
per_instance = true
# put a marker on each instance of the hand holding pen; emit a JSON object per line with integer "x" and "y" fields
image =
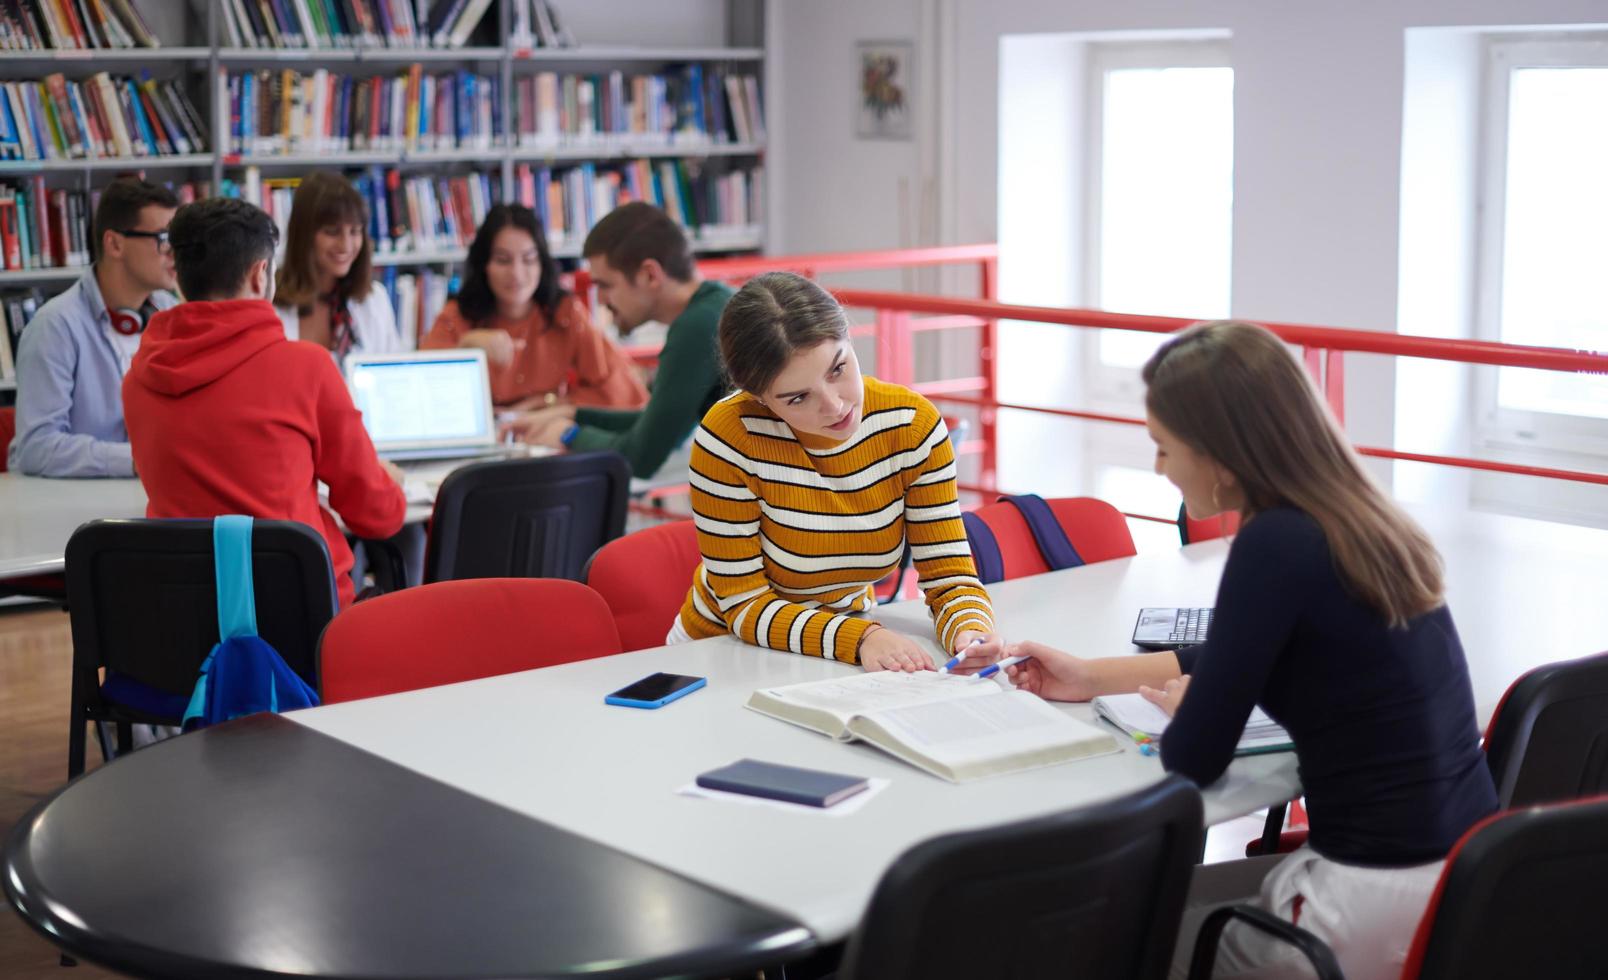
{"x": 973, "y": 651}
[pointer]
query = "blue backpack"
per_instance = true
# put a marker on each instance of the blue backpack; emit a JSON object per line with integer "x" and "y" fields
{"x": 243, "y": 674}
{"x": 1048, "y": 534}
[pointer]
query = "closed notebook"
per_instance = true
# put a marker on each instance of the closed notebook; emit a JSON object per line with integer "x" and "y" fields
{"x": 1137, "y": 716}
{"x": 811, "y": 787}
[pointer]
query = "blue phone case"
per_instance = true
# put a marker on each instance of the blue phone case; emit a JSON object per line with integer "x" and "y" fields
{"x": 633, "y": 703}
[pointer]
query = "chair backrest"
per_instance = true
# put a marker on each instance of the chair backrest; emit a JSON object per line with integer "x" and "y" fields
{"x": 447, "y": 632}
{"x": 1097, "y": 531}
{"x": 1548, "y": 740}
{"x": 8, "y": 429}
{"x": 1521, "y": 896}
{"x": 1095, "y": 892}
{"x": 1191, "y": 530}
{"x": 644, "y": 577}
{"x": 143, "y": 598}
{"x": 526, "y": 518}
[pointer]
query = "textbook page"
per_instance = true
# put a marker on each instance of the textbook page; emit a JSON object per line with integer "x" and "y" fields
{"x": 827, "y": 706}
{"x": 962, "y": 739}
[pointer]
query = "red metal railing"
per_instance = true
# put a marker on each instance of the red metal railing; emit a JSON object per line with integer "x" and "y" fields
{"x": 900, "y": 316}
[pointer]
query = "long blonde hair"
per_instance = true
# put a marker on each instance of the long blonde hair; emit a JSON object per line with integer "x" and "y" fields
{"x": 1234, "y": 392}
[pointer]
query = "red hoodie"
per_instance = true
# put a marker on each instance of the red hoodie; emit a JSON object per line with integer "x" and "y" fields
{"x": 226, "y": 416}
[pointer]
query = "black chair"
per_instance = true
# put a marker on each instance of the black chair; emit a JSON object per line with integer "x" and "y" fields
{"x": 1521, "y": 896}
{"x": 527, "y": 518}
{"x": 1095, "y": 892}
{"x": 1548, "y": 740}
{"x": 143, "y": 600}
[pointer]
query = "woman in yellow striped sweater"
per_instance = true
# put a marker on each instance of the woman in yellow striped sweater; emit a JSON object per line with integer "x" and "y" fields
{"x": 805, "y": 484}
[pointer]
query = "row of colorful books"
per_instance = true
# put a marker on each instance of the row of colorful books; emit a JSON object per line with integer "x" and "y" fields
{"x": 711, "y": 206}
{"x": 102, "y": 116}
{"x": 285, "y": 111}
{"x": 417, "y": 296}
{"x": 406, "y": 213}
{"x": 31, "y": 25}
{"x": 356, "y": 23}
{"x": 49, "y": 228}
{"x": 691, "y": 104}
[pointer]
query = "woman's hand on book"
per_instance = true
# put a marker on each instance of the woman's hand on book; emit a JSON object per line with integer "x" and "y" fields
{"x": 981, "y": 649}
{"x": 883, "y": 649}
{"x": 1168, "y": 696}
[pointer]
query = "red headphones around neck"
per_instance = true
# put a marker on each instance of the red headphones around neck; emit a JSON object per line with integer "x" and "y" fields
{"x": 129, "y": 322}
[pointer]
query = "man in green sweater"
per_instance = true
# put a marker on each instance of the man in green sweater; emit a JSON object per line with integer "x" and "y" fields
{"x": 642, "y": 264}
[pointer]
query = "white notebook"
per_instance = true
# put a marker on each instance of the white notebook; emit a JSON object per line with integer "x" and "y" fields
{"x": 1134, "y": 715}
{"x": 955, "y": 727}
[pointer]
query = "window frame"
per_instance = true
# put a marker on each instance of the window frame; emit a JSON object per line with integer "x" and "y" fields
{"x": 1551, "y": 437}
{"x": 1109, "y": 385}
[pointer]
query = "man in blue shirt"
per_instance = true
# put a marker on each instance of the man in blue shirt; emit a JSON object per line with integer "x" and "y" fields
{"x": 73, "y": 354}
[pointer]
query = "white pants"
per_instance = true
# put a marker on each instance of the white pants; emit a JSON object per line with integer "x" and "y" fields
{"x": 1366, "y": 916}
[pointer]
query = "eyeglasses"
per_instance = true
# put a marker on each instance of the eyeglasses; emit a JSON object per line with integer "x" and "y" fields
{"x": 163, "y": 244}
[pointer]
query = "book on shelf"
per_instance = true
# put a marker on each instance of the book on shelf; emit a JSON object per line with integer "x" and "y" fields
{"x": 17, "y": 307}
{"x": 690, "y": 106}
{"x": 42, "y": 25}
{"x": 537, "y": 24}
{"x": 346, "y": 24}
{"x": 417, "y": 296}
{"x": 99, "y": 117}
{"x": 955, "y": 727}
{"x": 1137, "y": 716}
{"x": 712, "y": 206}
{"x": 284, "y": 111}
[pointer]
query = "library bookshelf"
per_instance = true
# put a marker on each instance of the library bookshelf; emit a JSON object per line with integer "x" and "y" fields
{"x": 568, "y": 130}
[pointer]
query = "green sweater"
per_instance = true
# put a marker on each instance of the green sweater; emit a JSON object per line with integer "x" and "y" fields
{"x": 688, "y": 383}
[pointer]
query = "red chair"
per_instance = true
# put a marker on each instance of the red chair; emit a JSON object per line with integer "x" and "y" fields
{"x": 1095, "y": 529}
{"x": 1221, "y": 526}
{"x": 644, "y": 578}
{"x": 8, "y": 430}
{"x": 447, "y": 632}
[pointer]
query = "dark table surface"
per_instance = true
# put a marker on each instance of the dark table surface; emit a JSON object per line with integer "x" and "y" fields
{"x": 261, "y": 848}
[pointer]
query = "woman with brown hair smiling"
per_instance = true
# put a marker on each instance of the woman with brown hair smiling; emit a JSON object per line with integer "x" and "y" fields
{"x": 324, "y": 291}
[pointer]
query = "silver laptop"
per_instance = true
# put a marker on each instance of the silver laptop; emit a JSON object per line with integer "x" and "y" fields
{"x": 425, "y": 404}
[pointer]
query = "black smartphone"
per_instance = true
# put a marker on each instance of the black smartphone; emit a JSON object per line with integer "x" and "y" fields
{"x": 655, "y": 690}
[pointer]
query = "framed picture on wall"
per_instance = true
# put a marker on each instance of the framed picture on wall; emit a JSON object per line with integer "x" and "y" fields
{"x": 887, "y": 72}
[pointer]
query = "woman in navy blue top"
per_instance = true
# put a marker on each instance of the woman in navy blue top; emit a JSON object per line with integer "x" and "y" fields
{"x": 1330, "y": 616}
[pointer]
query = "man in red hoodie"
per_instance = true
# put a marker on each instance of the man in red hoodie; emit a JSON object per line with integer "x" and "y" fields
{"x": 226, "y": 416}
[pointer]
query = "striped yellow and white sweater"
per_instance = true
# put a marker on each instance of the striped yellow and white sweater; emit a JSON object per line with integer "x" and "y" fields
{"x": 795, "y": 529}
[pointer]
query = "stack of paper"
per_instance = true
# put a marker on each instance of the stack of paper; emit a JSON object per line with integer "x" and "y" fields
{"x": 1136, "y": 716}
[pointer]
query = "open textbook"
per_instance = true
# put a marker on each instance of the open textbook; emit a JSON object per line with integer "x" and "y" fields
{"x": 1134, "y": 715}
{"x": 955, "y": 727}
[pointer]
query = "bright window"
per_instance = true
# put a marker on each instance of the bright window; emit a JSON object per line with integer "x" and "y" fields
{"x": 1545, "y": 241}
{"x": 1164, "y": 194}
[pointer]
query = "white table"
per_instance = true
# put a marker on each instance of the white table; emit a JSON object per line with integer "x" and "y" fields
{"x": 38, "y": 515}
{"x": 542, "y": 743}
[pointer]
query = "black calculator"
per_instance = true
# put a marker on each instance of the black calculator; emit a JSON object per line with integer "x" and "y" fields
{"x": 1171, "y": 628}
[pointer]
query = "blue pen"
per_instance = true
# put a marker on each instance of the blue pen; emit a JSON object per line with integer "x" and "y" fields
{"x": 957, "y": 658}
{"x": 993, "y": 669}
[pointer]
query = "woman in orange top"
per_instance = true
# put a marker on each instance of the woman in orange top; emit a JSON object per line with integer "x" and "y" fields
{"x": 538, "y": 339}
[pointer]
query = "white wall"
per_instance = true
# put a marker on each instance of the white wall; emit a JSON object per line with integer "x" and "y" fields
{"x": 1318, "y": 140}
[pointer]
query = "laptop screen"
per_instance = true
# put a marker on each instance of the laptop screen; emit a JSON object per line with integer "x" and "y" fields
{"x": 426, "y": 399}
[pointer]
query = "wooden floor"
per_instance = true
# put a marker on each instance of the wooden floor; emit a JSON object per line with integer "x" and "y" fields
{"x": 35, "y": 657}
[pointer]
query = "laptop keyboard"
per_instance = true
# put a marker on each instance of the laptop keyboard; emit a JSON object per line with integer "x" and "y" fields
{"x": 1191, "y": 626}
